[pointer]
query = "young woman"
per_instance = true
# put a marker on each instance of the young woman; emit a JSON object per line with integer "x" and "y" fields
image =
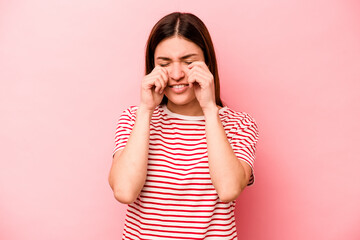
{"x": 181, "y": 158}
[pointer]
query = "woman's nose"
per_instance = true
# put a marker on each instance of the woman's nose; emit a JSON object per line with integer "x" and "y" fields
{"x": 177, "y": 72}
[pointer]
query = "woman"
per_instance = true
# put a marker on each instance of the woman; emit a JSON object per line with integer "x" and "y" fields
{"x": 181, "y": 158}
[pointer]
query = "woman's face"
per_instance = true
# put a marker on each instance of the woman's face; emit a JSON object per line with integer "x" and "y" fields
{"x": 175, "y": 54}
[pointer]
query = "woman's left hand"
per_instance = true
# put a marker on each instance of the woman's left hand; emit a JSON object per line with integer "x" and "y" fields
{"x": 202, "y": 80}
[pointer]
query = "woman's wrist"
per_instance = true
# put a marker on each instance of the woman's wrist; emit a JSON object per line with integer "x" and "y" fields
{"x": 144, "y": 111}
{"x": 211, "y": 111}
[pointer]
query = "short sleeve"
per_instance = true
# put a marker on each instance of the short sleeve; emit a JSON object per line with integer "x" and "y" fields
{"x": 244, "y": 142}
{"x": 124, "y": 127}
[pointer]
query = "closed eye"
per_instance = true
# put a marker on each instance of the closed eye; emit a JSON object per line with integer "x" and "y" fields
{"x": 166, "y": 64}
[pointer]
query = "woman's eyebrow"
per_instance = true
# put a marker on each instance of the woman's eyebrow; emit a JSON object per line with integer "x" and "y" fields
{"x": 182, "y": 58}
{"x": 189, "y": 55}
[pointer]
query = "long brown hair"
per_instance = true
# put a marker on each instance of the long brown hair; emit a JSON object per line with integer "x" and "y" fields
{"x": 193, "y": 29}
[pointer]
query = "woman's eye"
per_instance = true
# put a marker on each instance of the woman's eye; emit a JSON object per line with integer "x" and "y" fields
{"x": 188, "y": 63}
{"x": 164, "y": 65}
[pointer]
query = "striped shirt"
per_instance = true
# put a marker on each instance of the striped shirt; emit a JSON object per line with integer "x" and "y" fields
{"x": 178, "y": 200}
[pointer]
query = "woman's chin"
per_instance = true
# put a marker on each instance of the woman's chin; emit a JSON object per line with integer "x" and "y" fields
{"x": 179, "y": 100}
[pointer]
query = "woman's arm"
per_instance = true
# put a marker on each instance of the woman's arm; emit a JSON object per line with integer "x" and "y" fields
{"x": 129, "y": 167}
{"x": 229, "y": 175}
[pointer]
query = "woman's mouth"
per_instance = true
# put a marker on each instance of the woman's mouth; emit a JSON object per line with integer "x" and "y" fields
{"x": 179, "y": 88}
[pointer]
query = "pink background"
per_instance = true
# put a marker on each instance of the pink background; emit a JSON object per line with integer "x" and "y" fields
{"x": 68, "y": 68}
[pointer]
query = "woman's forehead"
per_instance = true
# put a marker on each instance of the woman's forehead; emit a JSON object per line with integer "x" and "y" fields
{"x": 177, "y": 47}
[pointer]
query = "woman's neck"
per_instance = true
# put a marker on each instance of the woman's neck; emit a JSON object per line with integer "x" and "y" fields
{"x": 189, "y": 109}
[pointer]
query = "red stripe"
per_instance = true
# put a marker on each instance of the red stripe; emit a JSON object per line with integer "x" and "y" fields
{"x": 182, "y": 233}
{"x": 186, "y": 227}
{"x": 178, "y": 205}
{"x": 180, "y": 179}
{"x": 177, "y": 199}
{"x": 179, "y": 184}
{"x": 161, "y": 125}
{"x": 179, "y": 221}
{"x": 177, "y": 133}
{"x": 179, "y": 138}
{"x": 176, "y": 173}
{"x": 180, "y": 194}
{"x": 179, "y": 169}
{"x": 180, "y": 189}
{"x": 183, "y": 210}
{"x": 177, "y": 143}
{"x": 156, "y": 235}
{"x": 176, "y": 159}
{"x": 177, "y": 153}
{"x": 177, "y": 148}
{"x": 177, "y": 164}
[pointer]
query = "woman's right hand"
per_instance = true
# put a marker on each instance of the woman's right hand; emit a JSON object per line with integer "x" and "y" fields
{"x": 152, "y": 88}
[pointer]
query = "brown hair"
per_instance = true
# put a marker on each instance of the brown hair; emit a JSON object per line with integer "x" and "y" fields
{"x": 189, "y": 26}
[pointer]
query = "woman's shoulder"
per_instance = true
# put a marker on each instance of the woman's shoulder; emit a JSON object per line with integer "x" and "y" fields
{"x": 131, "y": 110}
{"x": 230, "y": 115}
